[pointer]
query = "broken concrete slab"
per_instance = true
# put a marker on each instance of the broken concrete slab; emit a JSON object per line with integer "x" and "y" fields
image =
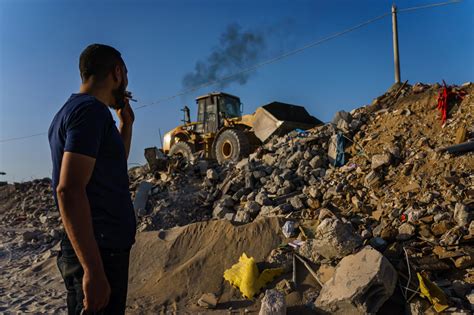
{"x": 141, "y": 198}
{"x": 360, "y": 285}
{"x": 335, "y": 239}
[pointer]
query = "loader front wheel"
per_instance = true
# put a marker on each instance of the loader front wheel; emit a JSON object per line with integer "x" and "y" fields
{"x": 182, "y": 149}
{"x": 232, "y": 145}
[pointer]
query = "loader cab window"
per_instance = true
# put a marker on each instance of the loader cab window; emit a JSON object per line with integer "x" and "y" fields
{"x": 201, "y": 110}
{"x": 229, "y": 106}
{"x": 201, "y": 115}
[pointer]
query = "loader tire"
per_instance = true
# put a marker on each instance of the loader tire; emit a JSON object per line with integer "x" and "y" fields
{"x": 232, "y": 145}
{"x": 182, "y": 149}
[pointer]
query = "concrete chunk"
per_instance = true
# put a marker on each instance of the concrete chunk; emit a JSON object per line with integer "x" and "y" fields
{"x": 335, "y": 239}
{"x": 141, "y": 198}
{"x": 379, "y": 160}
{"x": 273, "y": 303}
{"x": 360, "y": 285}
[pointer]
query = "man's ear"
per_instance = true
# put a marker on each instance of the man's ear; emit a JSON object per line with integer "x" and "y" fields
{"x": 117, "y": 73}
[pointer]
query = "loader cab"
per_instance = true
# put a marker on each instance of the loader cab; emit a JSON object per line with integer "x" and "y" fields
{"x": 213, "y": 108}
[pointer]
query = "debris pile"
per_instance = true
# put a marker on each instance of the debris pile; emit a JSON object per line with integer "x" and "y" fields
{"x": 376, "y": 177}
{"x": 30, "y": 207}
{"x": 376, "y": 205}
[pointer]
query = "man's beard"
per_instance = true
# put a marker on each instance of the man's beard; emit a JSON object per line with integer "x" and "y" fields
{"x": 119, "y": 97}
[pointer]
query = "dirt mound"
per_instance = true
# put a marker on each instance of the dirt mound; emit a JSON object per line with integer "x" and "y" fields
{"x": 171, "y": 269}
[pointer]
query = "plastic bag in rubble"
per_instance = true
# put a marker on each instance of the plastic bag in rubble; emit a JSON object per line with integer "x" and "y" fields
{"x": 245, "y": 276}
{"x": 288, "y": 229}
{"x": 434, "y": 294}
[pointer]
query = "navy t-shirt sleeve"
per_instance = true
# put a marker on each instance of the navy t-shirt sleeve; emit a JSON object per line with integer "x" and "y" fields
{"x": 85, "y": 129}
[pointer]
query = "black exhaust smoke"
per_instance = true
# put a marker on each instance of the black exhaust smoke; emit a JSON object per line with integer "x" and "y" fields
{"x": 237, "y": 50}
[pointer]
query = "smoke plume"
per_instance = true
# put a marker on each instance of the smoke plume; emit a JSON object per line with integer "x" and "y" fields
{"x": 237, "y": 50}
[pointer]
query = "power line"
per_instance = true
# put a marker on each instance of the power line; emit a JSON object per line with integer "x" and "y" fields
{"x": 267, "y": 62}
{"x": 24, "y": 137}
{"x": 429, "y": 6}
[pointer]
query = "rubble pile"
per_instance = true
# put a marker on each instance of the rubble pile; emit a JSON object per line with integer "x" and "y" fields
{"x": 377, "y": 176}
{"x": 30, "y": 207}
{"x": 377, "y": 205}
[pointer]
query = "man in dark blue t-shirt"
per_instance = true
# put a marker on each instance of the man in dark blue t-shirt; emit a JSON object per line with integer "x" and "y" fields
{"x": 90, "y": 184}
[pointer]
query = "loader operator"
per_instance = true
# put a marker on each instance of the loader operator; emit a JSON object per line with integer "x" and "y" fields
{"x": 90, "y": 184}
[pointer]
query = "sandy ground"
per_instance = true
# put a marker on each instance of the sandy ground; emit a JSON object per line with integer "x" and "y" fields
{"x": 30, "y": 281}
{"x": 169, "y": 270}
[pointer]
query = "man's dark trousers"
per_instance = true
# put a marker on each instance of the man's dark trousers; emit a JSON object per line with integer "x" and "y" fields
{"x": 116, "y": 269}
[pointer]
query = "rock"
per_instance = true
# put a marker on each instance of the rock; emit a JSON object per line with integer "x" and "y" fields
{"x": 262, "y": 199}
{"x": 141, "y": 198}
{"x": 405, "y": 232}
{"x": 258, "y": 174}
{"x": 372, "y": 180}
{"x": 208, "y": 300}
{"x": 332, "y": 149}
{"x": 242, "y": 217}
{"x": 294, "y": 159}
{"x": 296, "y": 203}
{"x": 341, "y": 115}
{"x": 461, "y": 215}
{"x": 29, "y": 236}
{"x": 379, "y": 160}
{"x": 227, "y": 201}
{"x": 460, "y": 288}
{"x": 242, "y": 164}
{"x": 356, "y": 202}
{"x": 440, "y": 228}
{"x": 270, "y": 159}
{"x": 273, "y": 303}
{"x": 451, "y": 237}
{"x": 280, "y": 258}
{"x": 470, "y": 298}
{"x": 335, "y": 239}
{"x": 229, "y": 216}
{"x": 252, "y": 207}
{"x": 43, "y": 219}
{"x": 389, "y": 233}
{"x": 343, "y": 125}
{"x": 325, "y": 272}
{"x": 219, "y": 211}
{"x": 441, "y": 216}
{"x": 378, "y": 243}
{"x": 212, "y": 174}
{"x": 464, "y": 262}
{"x": 316, "y": 162}
{"x": 360, "y": 285}
{"x": 313, "y": 203}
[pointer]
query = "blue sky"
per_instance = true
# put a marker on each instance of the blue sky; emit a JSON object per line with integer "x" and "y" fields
{"x": 40, "y": 43}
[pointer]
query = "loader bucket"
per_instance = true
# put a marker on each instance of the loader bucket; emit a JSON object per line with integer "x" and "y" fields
{"x": 279, "y": 118}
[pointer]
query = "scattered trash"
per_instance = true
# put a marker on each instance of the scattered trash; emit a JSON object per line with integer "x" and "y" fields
{"x": 433, "y": 293}
{"x": 245, "y": 276}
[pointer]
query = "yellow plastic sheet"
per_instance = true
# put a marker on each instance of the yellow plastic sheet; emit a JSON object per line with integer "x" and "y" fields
{"x": 434, "y": 294}
{"x": 246, "y": 277}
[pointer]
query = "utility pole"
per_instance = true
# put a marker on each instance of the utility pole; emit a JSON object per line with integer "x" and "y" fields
{"x": 396, "y": 57}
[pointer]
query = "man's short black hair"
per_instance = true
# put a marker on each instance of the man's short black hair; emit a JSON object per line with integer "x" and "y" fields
{"x": 99, "y": 60}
